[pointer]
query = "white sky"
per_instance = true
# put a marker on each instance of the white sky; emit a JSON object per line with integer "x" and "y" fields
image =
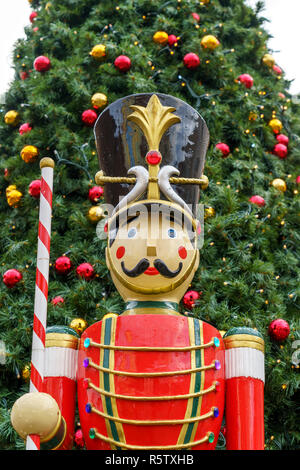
{"x": 284, "y": 23}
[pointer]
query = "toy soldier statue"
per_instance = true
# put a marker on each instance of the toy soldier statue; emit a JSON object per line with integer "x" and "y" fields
{"x": 150, "y": 378}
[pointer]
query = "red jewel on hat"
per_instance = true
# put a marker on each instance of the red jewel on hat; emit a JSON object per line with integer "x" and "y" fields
{"x": 153, "y": 157}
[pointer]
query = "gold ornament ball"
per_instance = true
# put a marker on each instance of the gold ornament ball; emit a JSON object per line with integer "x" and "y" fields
{"x": 95, "y": 214}
{"x": 275, "y": 125}
{"x": 160, "y": 37}
{"x": 26, "y": 372}
{"x": 79, "y": 325}
{"x": 204, "y": 2}
{"x": 268, "y": 60}
{"x": 13, "y": 195}
{"x": 252, "y": 116}
{"x": 12, "y": 118}
{"x": 110, "y": 315}
{"x": 99, "y": 100}
{"x": 209, "y": 212}
{"x": 29, "y": 153}
{"x": 279, "y": 184}
{"x": 210, "y": 42}
{"x": 98, "y": 51}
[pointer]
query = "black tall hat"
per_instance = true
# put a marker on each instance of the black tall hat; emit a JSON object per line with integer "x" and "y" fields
{"x": 121, "y": 145}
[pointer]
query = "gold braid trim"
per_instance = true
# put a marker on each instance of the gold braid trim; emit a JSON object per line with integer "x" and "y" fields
{"x": 153, "y": 423}
{"x": 153, "y": 398}
{"x": 134, "y": 447}
{"x": 101, "y": 179}
{"x": 148, "y": 348}
{"x": 151, "y": 374}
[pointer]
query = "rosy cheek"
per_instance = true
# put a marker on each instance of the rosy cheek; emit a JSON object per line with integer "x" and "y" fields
{"x": 182, "y": 252}
{"x": 120, "y": 252}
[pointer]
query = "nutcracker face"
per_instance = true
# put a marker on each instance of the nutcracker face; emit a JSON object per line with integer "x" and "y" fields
{"x": 152, "y": 248}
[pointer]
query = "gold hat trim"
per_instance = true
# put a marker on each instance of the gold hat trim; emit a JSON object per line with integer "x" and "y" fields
{"x": 60, "y": 340}
{"x": 244, "y": 341}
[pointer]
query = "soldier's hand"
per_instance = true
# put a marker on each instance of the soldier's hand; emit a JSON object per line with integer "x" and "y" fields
{"x": 35, "y": 413}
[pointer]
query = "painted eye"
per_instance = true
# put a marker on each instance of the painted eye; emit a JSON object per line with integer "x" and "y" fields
{"x": 132, "y": 232}
{"x": 172, "y": 233}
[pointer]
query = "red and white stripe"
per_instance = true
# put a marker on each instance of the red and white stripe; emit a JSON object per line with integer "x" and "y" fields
{"x": 41, "y": 286}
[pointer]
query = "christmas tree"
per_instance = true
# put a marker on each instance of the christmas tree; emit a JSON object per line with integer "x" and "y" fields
{"x": 78, "y": 57}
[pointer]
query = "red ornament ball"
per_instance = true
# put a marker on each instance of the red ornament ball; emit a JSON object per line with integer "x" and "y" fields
{"x": 224, "y": 148}
{"x": 190, "y": 298}
{"x": 85, "y": 270}
{"x": 57, "y": 300}
{"x": 24, "y": 128}
{"x": 12, "y": 277}
{"x": 280, "y": 150}
{"x": 122, "y": 63}
{"x": 95, "y": 193}
{"x": 63, "y": 265}
{"x": 277, "y": 69}
{"x": 191, "y": 61}
{"x": 258, "y": 200}
{"x": 35, "y": 188}
{"x": 246, "y": 80}
{"x": 196, "y": 17}
{"x": 172, "y": 39}
{"x": 282, "y": 139}
{"x": 24, "y": 75}
{"x": 89, "y": 117}
{"x": 298, "y": 179}
{"x": 279, "y": 329}
{"x": 42, "y": 64}
{"x": 33, "y": 16}
{"x": 78, "y": 438}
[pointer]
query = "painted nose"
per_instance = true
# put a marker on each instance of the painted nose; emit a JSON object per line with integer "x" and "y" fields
{"x": 151, "y": 250}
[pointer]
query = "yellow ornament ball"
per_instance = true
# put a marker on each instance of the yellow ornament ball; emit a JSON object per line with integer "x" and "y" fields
{"x": 99, "y": 100}
{"x": 110, "y": 315}
{"x": 29, "y": 153}
{"x": 268, "y": 60}
{"x": 98, "y": 51}
{"x": 13, "y": 195}
{"x": 12, "y": 118}
{"x": 209, "y": 212}
{"x": 26, "y": 373}
{"x": 252, "y": 116}
{"x": 210, "y": 42}
{"x": 160, "y": 37}
{"x": 204, "y": 2}
{"x": 79, "y": 325}
{"x": 275, "y": 125}
{"x": 96, "y": 213}
{"x": 279, "y": 184}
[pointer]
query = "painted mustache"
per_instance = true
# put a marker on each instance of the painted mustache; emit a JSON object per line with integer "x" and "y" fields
{"x": 144, "y": 264}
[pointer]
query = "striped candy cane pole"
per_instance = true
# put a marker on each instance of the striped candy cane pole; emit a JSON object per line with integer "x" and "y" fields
{"x": 41, "y": 287}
